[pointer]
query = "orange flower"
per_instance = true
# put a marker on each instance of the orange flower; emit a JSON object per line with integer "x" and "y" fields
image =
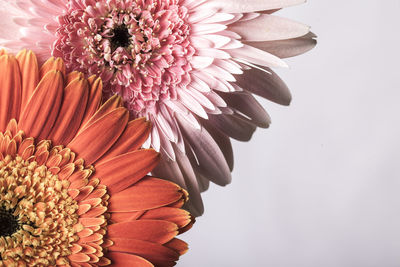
{"x": 73, "y": 184}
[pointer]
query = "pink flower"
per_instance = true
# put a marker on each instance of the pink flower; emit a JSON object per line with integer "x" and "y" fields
{"x": 189, "y": 66}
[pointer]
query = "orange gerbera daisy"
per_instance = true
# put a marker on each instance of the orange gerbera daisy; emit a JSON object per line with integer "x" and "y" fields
{"x": 73, "y": 184}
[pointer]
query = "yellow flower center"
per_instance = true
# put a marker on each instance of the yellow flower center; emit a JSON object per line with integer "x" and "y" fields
{"x": 37, "y": 215}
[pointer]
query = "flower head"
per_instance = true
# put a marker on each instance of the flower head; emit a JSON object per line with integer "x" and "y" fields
{"x": 190, "y": 66}
{"x": 73, "y": 184}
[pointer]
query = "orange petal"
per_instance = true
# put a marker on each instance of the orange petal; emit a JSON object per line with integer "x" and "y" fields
{"x": 105, "y": 131}
{"x": 95, "y": 95}
{"x": 71, "y": 112}
{"x": 116, "y": 174}
{"x": 29, "y": 68}
{"x": 72, "y": 76}
{"x": 83, "y": 208}
{"x": 148, "y": 250}
{"x": 124, "y": 259}
{"x": 52, "y": 64}
{"x": 42, "y": 109}
{"x": 87, "y": 222}
{"x": 180, "y": 217}
{"x": 91, "y": 238}
{"x": 131, "y": 139}
{"x": 117, "y": 217}
{"x": 111, "y": 104}
{"x": 147, "y": 230}
{"x": 79, "y": 257}
{"x": 148, "y": 193}
{"x": 12, "y": 127}
{"x": 178, "y": 245}
{"x": 11, "y": 90}
{"x": 94, "y": 212}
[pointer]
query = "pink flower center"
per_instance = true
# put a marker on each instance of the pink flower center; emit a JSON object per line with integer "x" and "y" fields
{"x": 140, "y": 49}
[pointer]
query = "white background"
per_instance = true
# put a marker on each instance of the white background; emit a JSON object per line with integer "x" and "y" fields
{"x": 321, "y": 187}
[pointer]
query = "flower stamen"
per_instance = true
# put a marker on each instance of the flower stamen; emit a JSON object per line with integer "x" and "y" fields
{"x": 8, "y": 222}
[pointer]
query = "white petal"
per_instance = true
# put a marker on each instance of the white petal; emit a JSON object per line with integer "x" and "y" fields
{"x": 203, "y": 100}
{"x": 199, "y": 62}
{"x": 245, "y": 6}
{"x": 265, "y": 84}
{"x": 237, "y": 128}
{"x": 200, "y": 29}
{"x": 199, "y": 85}
{"x": 257, "y": 56}
{"x": 218, "y": 18}
{"x": 211, "y": 161}
{"x": 211, "y": 52}
{"x": 268, "y": 28}
{"x": 191, "y": 104}
{"x": 287, "y": 48}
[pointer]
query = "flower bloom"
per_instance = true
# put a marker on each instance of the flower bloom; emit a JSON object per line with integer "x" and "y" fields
{"x": 73, "y": 184}
{"x": 190, "y": 66}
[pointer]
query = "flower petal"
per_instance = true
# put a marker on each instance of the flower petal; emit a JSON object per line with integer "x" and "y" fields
{"x": 11, "y": 90}
{"x": 52, "y": 64}
{"x": 287, "y": 48}
{"x": 71, "y": 112}
{"x": 110, "y": 126}
{"x": 269, "y": 28}
{"x": 40, "y": 113}
{"x": 116, "y": 174}
{"x": 157, "y": 231}
{"x": 29, "y": 67}
{"x": 119, "y": 259}
{"x": 96, "y": 87}
{"x": 156, "y": 253}
{"x": 265, "y": 84}
{"x": 133, "y": 137}
{"x": 245, "y": 103}
{"x": 244, "y": 6}
{"x": 148, "y": 193}
{"x": 211, "y": 161}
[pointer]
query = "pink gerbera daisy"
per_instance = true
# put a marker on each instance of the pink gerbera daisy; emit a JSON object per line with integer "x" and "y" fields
{"x": 189, "y": 66}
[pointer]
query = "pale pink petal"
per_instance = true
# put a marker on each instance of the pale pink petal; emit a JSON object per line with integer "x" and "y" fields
{"x": 269, "y": 28}
{"x": 244, "y": 6}
{"x": 287, "y": 48}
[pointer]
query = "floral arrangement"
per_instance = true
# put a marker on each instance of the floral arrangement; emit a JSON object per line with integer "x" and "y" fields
{"x": 98, "y": 98}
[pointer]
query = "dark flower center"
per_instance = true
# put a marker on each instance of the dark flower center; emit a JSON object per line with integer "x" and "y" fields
{"x": 121, "y": 37}
{"x": 8, "y": 223}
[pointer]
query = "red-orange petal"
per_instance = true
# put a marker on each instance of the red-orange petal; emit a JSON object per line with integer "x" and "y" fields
{"x": 73, "y": 76}
{"x": 180, "y": 217}
{"x": 124, "y": 170}
{"x": 178, "y": 245}
{"x": 117, "y": 217}
{"x": 40, "y": 113}
{"x": 71, "y": 112}
{"x": 95, "y": 94}
{"x": 148, "y": 250}
{"x": 131, "y": 139}
{"x": 148, "y": 193}
{"x": 29, "y": 68}
{"x": 52, "y": 64}
{"x": 105, "y": 131}
{"x": 10, "y": 80}
{"x": 119, "y": 259}
{"x": 156, "y": 231}
{"x": 110, "y": 105}
{"x": 79, "y": 257}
